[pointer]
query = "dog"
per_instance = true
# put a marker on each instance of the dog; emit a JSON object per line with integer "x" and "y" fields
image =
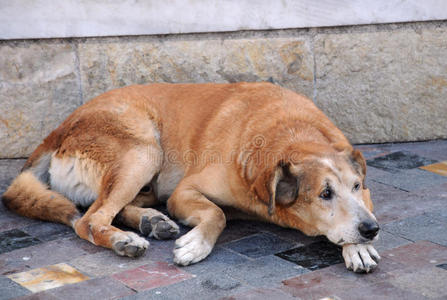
{"x": 205, "y": 150}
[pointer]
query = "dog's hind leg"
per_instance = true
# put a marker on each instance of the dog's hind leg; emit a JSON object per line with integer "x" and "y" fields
{"x": 120, "y": 185}
{"x": 150, "y": 222}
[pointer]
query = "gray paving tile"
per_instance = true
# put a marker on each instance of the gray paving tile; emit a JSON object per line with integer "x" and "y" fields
{"x": 44, "y": 254}
{"x": 9, "y": 289}
{"x": 15, "y": 239}
{"x": 94, "y": 289}
{"x": 421, "y": 227}
{"x": 219, "y": 259}
{"x": 389, "y": 241}
{"x": 267, "y": 271}
{"x": 314, "y": 256}
{"x": 436, "y": 149}
{"x": 260, "y": 244}
{"x": 412, "y": 180}
{"x": 428, "y": 282}
{"x": 401, "y": 160}
{"x": 237, "y": 229}
{"x": 261, "y": 294}
{"x": 208, "y": 286}
{"x": 46, "y": 231}
{"x": 106, "y": 263}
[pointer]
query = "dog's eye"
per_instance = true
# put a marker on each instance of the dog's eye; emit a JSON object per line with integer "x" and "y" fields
{"x": 327, "y": 194}
{"x": 146, "y": 188}
{"x": 356, "y": 187}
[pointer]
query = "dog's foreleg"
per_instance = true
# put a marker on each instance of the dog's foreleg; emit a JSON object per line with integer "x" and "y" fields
{"x": 360, "y": 257}
{"x": 192, "y": 208}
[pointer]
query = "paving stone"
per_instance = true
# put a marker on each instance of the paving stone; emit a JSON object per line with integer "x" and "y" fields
{"x": 314, "y": 256}
{"x": 382, "y": 273}
{"x": 316, "y": 285}
{"x": 10, "y": 220}
{"x": 389, "y": 241}
{"x": 260, "y": 244}
{"x": 152, "y": 276}
{"x": 219, "y": 259}
{"x": 413, "y": 180}
{"x": 106, "y": 263}
{"x": 236, "y": 229}
{"x": 370, "y": 151}
{"x": 260, "y": 293}
{"x": 45, "y": 295}
{"x": 436, "y": 149}
{"x": 94, "y": 289}
{"x": 265, "y": 271}
{"x": 380, "y": 290}
{"x": 46, "y": 231}
{"x": 421, "y": 227}
{"x": 207, "y": 286}
{"x": 10, "y": 289}
{"x": 391, "y": 204}
{"x": 44, "y": 254}
{"x": 401, "y": 160}
{"x": 49, "y": 277}
{"x": 16, "y": 239}
{"x": 418, "y": 255}
{"x": 329, "y": 285}
{"x": 435, "y": 191}
{"x": 429, "y": 282}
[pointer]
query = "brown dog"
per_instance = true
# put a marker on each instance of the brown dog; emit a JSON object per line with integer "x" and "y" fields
{"x": 259, "y": 148}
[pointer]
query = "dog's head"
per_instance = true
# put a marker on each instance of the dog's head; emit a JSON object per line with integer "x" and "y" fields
{"x": 321, "y": 195}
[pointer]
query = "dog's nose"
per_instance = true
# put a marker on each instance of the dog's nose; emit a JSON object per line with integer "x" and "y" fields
{"x": 368, "y": 229}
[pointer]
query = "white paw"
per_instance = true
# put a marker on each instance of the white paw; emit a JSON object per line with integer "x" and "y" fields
{"x": 129, "y": 244}
{"x": 360, "y": 257}
{"x": 191, "y": 248}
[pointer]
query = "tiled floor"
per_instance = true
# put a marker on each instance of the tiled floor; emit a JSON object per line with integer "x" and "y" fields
{"x": 252, "y": 260}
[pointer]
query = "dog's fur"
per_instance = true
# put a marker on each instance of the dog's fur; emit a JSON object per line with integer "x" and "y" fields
{"x": 255, "y": 147}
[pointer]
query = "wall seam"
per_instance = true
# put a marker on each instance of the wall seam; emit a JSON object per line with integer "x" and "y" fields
{"x": 75, "y": 46}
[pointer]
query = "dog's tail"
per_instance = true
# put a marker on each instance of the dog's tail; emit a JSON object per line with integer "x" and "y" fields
{"x": 30, "y": 196}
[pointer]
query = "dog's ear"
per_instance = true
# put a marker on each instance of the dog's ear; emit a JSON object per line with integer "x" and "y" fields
{"x": 283, "y": 189}
{"x": 359, "y": 163}
{"x": 277, "y": 186}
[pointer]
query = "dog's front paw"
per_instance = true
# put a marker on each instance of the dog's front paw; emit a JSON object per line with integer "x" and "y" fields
{"x": 360, "y": 257}
{"x": 191, "y": 248}
{"x": 129, "y": 244}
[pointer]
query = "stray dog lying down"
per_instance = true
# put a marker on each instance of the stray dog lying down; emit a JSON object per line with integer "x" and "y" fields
{"x": 205, "y": 150}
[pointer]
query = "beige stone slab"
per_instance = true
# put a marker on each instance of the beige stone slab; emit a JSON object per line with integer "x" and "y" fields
{"x": 39, "y": 87}
{"x": 50, "y": 277}
{"x": 384, "y": 84}
{"x": 112, "y": 63}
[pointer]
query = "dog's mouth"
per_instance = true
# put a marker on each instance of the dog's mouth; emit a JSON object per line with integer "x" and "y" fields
{"x": 359, "y": 240}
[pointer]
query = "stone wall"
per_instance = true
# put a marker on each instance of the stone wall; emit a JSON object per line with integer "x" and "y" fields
{"x": 378, "y": 83}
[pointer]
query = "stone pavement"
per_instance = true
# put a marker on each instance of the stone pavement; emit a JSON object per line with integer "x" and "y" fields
{"x": 408, "y": 182}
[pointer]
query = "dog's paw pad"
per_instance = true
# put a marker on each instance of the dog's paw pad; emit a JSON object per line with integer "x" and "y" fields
{"x": 191, "y": 248}
{"x": 159, "y": 227}
{"x": 129, "y": 244}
